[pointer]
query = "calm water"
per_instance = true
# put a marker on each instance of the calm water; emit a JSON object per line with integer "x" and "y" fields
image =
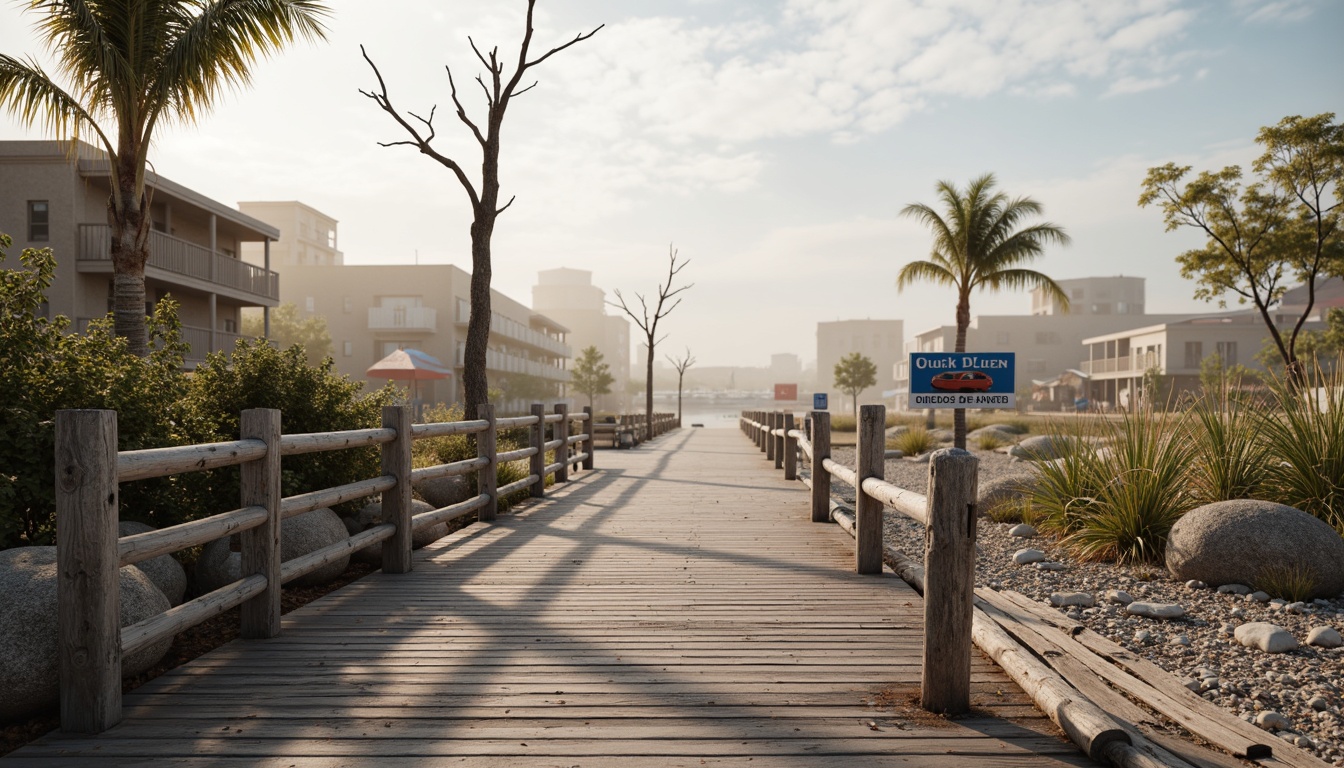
{"x": 723, "y": 413}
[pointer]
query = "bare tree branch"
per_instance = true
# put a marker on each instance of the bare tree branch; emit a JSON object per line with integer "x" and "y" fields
{"x": 649, "y": 323}
{"x": 506, "y": 205}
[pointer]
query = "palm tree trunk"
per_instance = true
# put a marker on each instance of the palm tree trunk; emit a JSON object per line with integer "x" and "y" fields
{"x": 129, "y": 227}
{"x": 963, "y": 323}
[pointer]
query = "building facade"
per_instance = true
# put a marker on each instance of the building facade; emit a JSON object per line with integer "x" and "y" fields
{"x": 307, "y": 236}
{"x": 1093, "y": 296}
{"x": 881, "y": 341}
{"x": 54, "y": 198}
{"x": 569, "y": 297}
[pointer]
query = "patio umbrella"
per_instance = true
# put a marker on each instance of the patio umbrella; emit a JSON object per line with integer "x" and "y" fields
{"x": 409, "y": 365}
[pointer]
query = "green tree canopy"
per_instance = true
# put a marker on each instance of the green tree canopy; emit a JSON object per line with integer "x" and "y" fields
{"x": 1281, "y": 227}
{"x": 129, "y": 65}
{"x": 288, "y": 329}
{"x": 590, "y": 375}
{"x": 853, "y": 374}
{"x": 979, "y": 242}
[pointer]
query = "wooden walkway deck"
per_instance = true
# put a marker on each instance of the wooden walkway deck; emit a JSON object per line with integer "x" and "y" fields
{"x": 674, "y": 608}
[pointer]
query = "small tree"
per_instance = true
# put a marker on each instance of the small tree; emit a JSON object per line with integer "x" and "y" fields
{"x": 853, "y": 374}
{"x": 590, "y": 375}
{"x": 288, "y": 329}
{"x": 485, "y": 207}
{"x": 681, "y": 366}
{"x": 648, "y": 323}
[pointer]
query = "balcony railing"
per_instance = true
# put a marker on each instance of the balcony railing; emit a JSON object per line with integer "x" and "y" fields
{"x": 506, "y": 363}
{"x": 1137, "y": 362}
{"x": 180, "y": 257}
{"x": 501, "y": 326}
{"x": 403, "y": 319}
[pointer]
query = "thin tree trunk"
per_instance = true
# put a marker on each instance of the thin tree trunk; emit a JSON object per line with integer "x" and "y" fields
{"x": 648, "y": 393}
{"x": 474, "y": 377}
{"x": 679, "y": 379}
{"x": 959, "y": 414}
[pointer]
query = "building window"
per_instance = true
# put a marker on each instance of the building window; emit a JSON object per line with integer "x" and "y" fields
{"x": 1227, "y": 351}
{"x": 1035, "y": 366}
{"x": 309, "y": 304}
{"x": 1003, "y": 339}
{"x": 1194, "y": 353}
{"x": 39, "y": 221}
{"x": 1101, "y": 309}
{"x": 347, "y": 305}
{"x": 348, "y": 348}
{"x": 1047, "y": 337}
{"x": 331, "y": 238}
{"x": 1077, "y": 294}
{"x": 230, "y": 325}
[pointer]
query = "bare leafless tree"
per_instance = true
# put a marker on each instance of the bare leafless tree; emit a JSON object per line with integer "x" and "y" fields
{"x": 681, "y": 366}
{"x": 485, "y": 205}
{"x": 648, "y": 323}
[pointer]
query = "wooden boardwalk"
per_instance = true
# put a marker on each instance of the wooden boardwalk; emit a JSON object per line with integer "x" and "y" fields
{"x": 674, "y": 608}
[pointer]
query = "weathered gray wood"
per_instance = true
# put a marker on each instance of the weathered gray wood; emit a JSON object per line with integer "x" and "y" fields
{"x": 260, "y": 552}
{"x": 589, "y": 446}
{"x": 528, "y": 483}
{"x": 314, "y": 442}
{"x": 447, "y": 428}
{"x": 790, "y": 448}
{"x": 190, "y": 613}
{"x": 487, "y": 478}
{"x": 562, "y": 434}
{"x": 840, "y": 471}
{"x": 140, "y": 547}
{"x": 868, "y": 511}
{"x": 301, "y": 566}
{"x": 87, "y": 564}
{"x": 779, "y": 440}
{"x": 451, "y": 512}
{"x": 396, "y": 462}
{"x": 521, "y": 453}
{"x": 949, "y": 581}
{"x": 537, "y": 463}
{"x": 821, "y": 479}
{"x": 159, "y": 462}
{"x": 907, "y": 502}
{"x": 454, "y": 469}
{"x": 518, "y": 421}
{"x": 307, "y": 502}
{"x": 771, "y": 422}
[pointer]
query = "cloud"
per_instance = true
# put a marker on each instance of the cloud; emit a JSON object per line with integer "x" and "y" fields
{"x": 1130, "y": 84}
{"x": 1275, "y": 11}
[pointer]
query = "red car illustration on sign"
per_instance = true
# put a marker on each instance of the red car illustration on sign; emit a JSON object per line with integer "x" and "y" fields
{"x": 963, "y": 381}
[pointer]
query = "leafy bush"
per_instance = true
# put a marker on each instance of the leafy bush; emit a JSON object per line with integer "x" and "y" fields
{"x": 446, "y": 450}
{"x": 43, "y": 369}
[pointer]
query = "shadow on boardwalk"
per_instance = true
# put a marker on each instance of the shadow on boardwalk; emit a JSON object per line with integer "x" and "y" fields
{"x": 674, "y": 607}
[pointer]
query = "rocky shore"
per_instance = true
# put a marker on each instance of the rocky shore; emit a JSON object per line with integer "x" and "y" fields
{"x": 1297, "y": 694}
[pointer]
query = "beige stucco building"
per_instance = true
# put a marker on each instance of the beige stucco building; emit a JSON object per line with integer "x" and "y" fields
{"x": 569, "y": 297}
{"x": 50, "y": 198}
{"x": 878, "y": 340}
{"x": 307, "y": 236}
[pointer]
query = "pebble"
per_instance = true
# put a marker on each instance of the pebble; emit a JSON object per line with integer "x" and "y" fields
{"x": 1234, "y": 589}
{"x": 1022, "y": 531}
{"x": 1270, "y": 638}
{"x": 1257, "y": 597}
{"x": 1025, "y": 556}
{"x": 1179, "y": 640}
{"x": 1051, "y": 566}
{"x": 1061, "y": 599}
{"x": 1196, "y": 584}
{"x": 1324, "y": 637}
{"x": 1118, "y": 597}
{"x": 1143, "y": 637}
{"x": 1273, "y": 721}
{"x": 1155, "y": 610}
{"x": 1318, "y": 703}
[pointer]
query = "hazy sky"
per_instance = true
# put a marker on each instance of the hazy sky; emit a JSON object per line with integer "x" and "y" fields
{"x": 773, "y": 141}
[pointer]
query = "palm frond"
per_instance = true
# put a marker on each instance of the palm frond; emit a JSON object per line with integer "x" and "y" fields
{"x": 27, "y": 92}
{"x": 925, "y": 270}
{"x": 1022, "y": 280}
{"x": 85, "y": 38}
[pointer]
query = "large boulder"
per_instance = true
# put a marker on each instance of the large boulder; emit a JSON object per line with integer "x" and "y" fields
{"x": 29, "y": 665}
{"x": 446, "y": 491}
{"x": 1252, "y": 542}
{"x": 164, "y": 570}
{"x": 219, "y": 566}
{"x": 996, "y": 431}
{"x": 372, "y": 514}
{"x": 1044, "y": 447}
{"x": 1004, "y": 491}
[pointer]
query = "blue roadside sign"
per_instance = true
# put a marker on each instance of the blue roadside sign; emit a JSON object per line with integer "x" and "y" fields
{"x": 963, "y": 380}
{"x": 818, "y": 401}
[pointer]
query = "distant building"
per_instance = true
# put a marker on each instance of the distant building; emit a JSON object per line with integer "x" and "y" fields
{"x": 307, "y": 236}
{"x": 787, "y": 368}
{"x": 59, "y": 201}
{"x": 881, "y": 341}
{"x": 1093, "y": 296}
{"x": 569, "y": 297}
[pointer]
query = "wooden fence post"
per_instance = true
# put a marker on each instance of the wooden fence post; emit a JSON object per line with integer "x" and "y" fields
{"x": 538, "y": 464}
{"x": 949, "y": 581}
{"x": 87, "y": 574}
{"x": 769, "y": 436}
{"x": 821, "y": 478}
{"x": 871, "y": 453}
{"x": 779, "y": 440}
{"x": 765, "y": 433}
{"x": 487, "y": 477}
{"x": 790, "y": 448}
{"x": 591, "y": 442}
{"x": 397, "y": 502}
{"x": 562, "y": 434}
{"x": 260, "y": 546}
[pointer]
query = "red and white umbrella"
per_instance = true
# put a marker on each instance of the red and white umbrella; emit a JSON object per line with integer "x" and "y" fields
{"x": 409, "y": 365}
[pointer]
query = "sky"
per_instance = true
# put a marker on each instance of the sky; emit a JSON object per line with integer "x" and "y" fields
{"x": 773, "y": 143}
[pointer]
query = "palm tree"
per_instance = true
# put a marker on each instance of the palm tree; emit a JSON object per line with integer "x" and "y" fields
{"x": 132, "y": 64}
{"x": 977, "y": 244}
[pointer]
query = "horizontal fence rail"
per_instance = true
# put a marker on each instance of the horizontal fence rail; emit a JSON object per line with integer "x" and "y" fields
{"x": 91, "y": 640}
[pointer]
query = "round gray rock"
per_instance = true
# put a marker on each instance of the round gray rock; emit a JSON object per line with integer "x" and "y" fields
{"x": 943, "y": 435}
{"x": 164, "y": 570}
{"x": 1005, "y": 490}
{"x": 446, "y": 491}
{"x": 1247, "y": 541}
{"x": 1044, "y": 447}
{"x": 299, "y": 536}
{"x": 372, "y": 514}
{"x": 29, "y": 666}
{"x": 1270, "y": 638}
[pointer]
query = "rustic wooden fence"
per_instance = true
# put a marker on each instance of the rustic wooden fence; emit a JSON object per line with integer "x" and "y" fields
{"x": 89, "y": 553}
{"x": 947, "y": 512}
{"x": 629, "y": 430}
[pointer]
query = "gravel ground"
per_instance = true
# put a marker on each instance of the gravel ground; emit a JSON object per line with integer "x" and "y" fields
{"x": 1305, "y": 686}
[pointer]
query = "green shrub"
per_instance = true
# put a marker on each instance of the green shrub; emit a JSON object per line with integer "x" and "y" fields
{"x": 1291, "y": 581}
{"x": 43, "y": 369}
{"x": 844, "y": 423}
{"x": 988, "y": 441}
{"x": 1230, "y": 460}
{"x": 1306, "y": 439}
{"x": 914, "y": 441}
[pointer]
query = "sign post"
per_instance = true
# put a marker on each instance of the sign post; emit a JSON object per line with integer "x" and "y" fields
{"x": 963, "y": 380}
{"x": 819, "y": 401}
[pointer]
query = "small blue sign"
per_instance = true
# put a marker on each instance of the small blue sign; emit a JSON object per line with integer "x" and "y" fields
{"x": 963, "y": 380}
{"x": 818, "y": 401}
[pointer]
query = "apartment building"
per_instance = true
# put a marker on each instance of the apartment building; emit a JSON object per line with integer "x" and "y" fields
{"x": 55, "y": 196}
{"x": 878, "y": 340}
{"x": 307, "y": 235}
{"x": 568, "y": 296}
{"x": 1093, "y": 296}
